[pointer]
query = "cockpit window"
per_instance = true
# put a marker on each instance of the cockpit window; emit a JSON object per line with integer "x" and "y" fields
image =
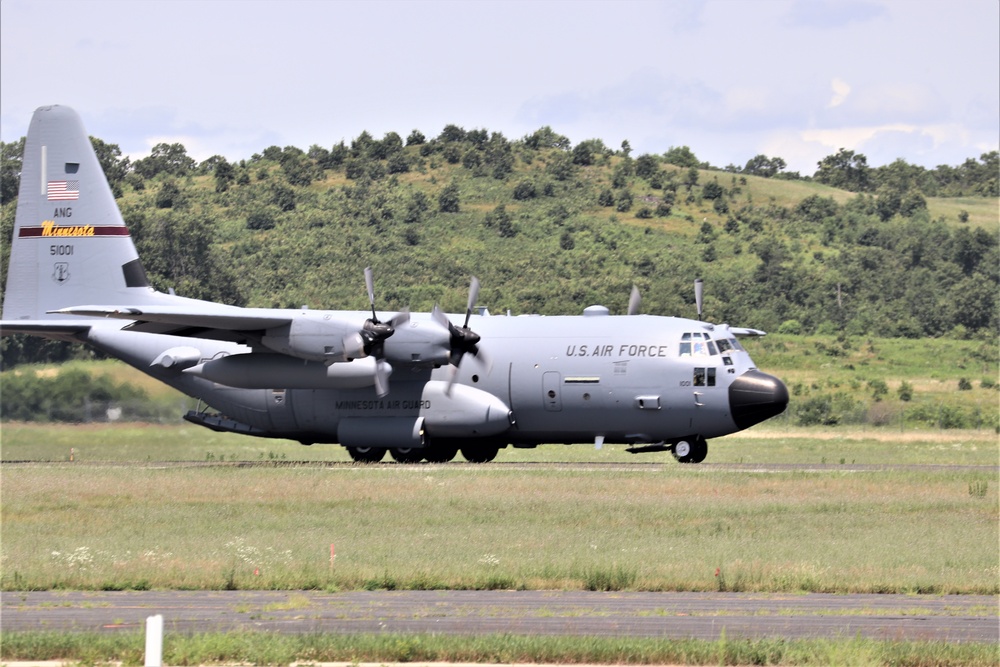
{"x": 697, "y": 344}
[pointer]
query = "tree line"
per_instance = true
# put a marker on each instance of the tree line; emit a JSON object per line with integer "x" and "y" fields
{"x": 551, "y": 228}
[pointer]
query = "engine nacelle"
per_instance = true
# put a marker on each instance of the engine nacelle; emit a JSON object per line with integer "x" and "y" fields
{"x": 273, "y": 371}
{"x": 419, "y": 342}
{"x": 316, "y": 336}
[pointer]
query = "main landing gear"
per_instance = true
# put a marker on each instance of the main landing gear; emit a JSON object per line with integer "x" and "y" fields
{"x": 437, "y": 452}
{"x": 693, "y": 450}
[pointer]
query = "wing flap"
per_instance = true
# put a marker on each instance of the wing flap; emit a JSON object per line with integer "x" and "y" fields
{"x": 179, "y": 321}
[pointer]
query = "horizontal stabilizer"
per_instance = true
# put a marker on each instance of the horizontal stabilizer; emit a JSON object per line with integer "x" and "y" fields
{"x": 68, "y": 330}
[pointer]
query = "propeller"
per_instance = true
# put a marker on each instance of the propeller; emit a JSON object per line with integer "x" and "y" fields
{"x": 370, "y": 341}
{"x": 463, "y": 339}
{"x": 634, "y": 300}
{"x": 699, "y": 286}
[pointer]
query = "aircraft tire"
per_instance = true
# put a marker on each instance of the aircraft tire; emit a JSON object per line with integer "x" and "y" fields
{"x": 480, "y": 453}
{"x": 407, "y": 455}
{"x": 691, "y": 451}
{"x": 366, "y": 454}
{"x": 440, "y": 453}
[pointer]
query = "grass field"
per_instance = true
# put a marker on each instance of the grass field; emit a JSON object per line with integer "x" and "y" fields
{"x": 669, "y": 527}
{"x": 117, "y": 518}
{"x": 262, "y": 648}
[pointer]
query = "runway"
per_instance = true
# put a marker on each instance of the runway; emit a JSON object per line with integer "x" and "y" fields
{"x": 951, "y": 618}
{"x": 578, "y": 466}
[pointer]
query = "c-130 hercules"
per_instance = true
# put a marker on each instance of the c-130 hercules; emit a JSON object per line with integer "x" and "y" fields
{"x": 323, "y": 376}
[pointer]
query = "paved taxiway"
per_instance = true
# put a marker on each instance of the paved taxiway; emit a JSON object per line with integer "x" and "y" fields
{"x": 957, "y": 618}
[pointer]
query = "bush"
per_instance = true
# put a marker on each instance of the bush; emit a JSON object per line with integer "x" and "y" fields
{"x": 905, "y": 391}
{"x": 448, "y": 200}
{"x": 790, "y": 327}
{"x": 817, "y": 411}
{"x": 263, "y": 219}
{"x": 525, "y": 190}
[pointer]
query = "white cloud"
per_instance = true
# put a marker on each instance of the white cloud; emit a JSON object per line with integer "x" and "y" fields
{"x": 841, "y": 90}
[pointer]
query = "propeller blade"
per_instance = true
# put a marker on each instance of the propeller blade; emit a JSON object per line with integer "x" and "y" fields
{"x": 438, "y": 316}
{"x": 399, "y": 319}
{"x": 484, "y": 359}
{"x": 473, "y": 297}
{"x": 453, "y": 375}
{"x": 699, "y": 286}
{"x": 382, "y": 372}
{"x": 370, "y": 284}
{"x": 634, "y": 300}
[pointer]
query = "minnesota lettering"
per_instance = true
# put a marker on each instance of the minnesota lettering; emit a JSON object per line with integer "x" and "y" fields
{"x": 50, "y": 228}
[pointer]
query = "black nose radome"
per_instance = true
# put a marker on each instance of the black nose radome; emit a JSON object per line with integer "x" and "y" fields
{"x": 756, "y": 396}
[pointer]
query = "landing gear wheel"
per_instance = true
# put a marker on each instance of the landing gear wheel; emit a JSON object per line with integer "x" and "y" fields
{"x": 407, "y": 455}
{"x": 440, "y": 453}
{"x": 480, "y": 453}
{"x": 691, "y": 451}
{"x": 366, "y": 454}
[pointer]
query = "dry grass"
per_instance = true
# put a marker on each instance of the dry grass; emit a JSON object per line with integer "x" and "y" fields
{"x": 439, "y": 526}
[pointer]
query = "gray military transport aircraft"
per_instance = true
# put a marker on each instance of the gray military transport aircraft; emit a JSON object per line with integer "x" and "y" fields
{"x": 323, "y": 376}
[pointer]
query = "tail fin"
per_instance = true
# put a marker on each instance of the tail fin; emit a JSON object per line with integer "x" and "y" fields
{"x": 70, "y": 245}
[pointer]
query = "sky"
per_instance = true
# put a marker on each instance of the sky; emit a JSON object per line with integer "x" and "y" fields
{"x": 731, "y": 79}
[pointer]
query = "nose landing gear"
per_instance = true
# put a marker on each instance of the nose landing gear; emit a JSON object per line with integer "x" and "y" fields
{"x": 692, "y": 450}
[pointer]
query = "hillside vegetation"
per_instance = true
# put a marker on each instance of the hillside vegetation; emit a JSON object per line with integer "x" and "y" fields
{"x": 552, "y": 229}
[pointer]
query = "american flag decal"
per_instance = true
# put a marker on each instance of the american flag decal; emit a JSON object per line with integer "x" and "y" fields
{"x": 63, "y": 190}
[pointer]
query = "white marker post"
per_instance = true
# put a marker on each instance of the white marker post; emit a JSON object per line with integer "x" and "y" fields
{"x": 154, "y": 641}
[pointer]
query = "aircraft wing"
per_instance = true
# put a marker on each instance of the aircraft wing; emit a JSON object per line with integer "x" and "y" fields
{"x": 221, "y": 323}
{"x": 306, "y": 334}
{"x": 237, "y": 319}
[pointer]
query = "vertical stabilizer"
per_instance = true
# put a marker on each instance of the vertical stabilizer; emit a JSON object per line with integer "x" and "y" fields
{"x": 70, "y": 245}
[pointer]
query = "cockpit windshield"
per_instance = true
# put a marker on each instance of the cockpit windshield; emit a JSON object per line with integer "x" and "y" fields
{"x": 699, "y": 344}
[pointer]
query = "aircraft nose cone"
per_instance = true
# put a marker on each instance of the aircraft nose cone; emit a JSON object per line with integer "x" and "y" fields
{"x": 756, "y": 396}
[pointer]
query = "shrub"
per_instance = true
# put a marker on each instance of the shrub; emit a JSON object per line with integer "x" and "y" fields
{"x": 448, "y": 200}
{"x": 791, "y": 327}
{"x": 262, "y": 219}
{"x": 905, "y": 391}
{"x": 817, "y": 411}
{"x": 525, "y": 190}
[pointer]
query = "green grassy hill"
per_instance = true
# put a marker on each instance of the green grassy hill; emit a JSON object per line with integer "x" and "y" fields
{"x": 548, "y": 230}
